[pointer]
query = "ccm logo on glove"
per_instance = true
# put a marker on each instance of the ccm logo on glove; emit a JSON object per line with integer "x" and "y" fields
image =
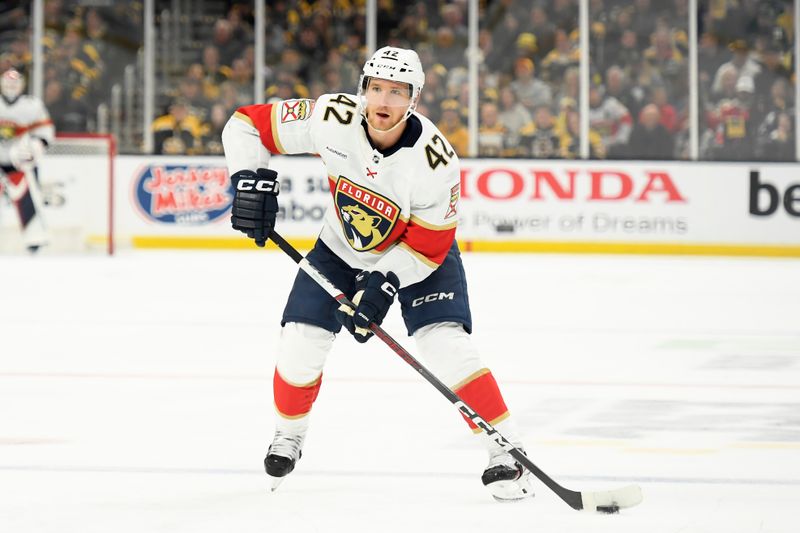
{"x": 269, "y": 185}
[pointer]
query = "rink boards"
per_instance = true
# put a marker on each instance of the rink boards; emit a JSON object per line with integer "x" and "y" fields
{"x": 504, "y": 205}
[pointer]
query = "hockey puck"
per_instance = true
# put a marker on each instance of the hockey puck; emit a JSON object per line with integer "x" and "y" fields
{"x": 608, "y": 509}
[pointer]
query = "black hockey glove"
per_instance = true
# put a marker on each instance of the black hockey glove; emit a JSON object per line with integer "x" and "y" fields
{"x": 255, "y": 203}
{"x": 374, "y": 295}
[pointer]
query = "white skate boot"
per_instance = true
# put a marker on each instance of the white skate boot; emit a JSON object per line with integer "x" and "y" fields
{"x": 283, "y": 453}
{"x": 505, "y": 478}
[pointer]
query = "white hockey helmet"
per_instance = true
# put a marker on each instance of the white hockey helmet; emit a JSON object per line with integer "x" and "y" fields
{"x": 12, "y": 83}
{"x": 393, "y": 64}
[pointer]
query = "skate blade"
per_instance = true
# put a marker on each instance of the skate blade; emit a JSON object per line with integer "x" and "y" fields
{"x": 275, "y": 482}
{"x": 511, "y": 491}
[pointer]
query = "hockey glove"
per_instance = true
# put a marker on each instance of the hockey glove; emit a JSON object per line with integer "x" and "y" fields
{"x": 26, "y": 153}
{"x": 255, "y": 203}
{"x": 374, "y": 295}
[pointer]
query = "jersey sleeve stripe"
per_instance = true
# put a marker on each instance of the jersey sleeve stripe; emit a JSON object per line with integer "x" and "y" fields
{"x": 427, "y": 225}
{"x": 263, "y": 118}
{"x": 432, "y": 244}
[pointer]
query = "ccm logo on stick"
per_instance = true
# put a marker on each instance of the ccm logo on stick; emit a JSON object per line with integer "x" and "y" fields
{"x": 258, "y": 185}
{"x": 432, "y": 298}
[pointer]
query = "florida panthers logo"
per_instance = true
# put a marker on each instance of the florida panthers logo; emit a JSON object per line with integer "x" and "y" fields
{"x": 367, "y": 218}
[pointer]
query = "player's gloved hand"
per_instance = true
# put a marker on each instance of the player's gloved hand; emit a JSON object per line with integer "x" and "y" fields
{"x": 255, "y": 203}
{"x": 26, "y": 152}
{"x": 374, "y": 295}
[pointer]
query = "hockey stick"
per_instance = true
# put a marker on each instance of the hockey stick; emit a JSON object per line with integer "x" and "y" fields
{"x": 604, "y": 501}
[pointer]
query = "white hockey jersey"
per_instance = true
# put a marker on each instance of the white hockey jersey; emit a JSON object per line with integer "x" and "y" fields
{"x": 25, "y": 116}
{"x": 392, "y": 211}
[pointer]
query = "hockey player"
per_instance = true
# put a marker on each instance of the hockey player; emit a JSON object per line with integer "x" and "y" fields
{"x": 25, "y": 132}
{"x": 388, "y": 232}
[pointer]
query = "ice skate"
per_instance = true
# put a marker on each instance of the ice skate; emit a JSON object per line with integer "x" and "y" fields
{"x": 505, "y": 478}
{"x": 283, "y": 453}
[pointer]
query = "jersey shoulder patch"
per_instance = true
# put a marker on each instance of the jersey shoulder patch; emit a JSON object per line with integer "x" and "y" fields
{"x": 294, "y": 110}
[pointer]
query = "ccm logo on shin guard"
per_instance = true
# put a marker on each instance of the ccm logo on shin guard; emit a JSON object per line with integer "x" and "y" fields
{"x": 416, "y": 302}
{"x": 258, "y": 185}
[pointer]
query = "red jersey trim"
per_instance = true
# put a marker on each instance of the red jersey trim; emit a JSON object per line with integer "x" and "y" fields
{"x": 264, "y": 118}
{"x": 429, "y": 243}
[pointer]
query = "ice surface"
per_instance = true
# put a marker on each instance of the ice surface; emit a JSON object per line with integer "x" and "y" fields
{"x": 135, "y": 396}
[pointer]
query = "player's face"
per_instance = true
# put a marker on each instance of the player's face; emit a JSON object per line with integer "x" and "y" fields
{"x": 387, "y": 102}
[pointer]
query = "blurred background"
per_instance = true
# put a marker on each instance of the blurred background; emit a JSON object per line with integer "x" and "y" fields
{"x": 648, "y": 79}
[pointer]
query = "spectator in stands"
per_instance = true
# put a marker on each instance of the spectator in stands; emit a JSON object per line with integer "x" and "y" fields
{"x": 65, "y": 119}
{"x": 491, "y": 133}
{"x": 740, "y": 59}
{"x": 191, "y": 93}
{"x": 446, "y": 51}
{"x": 242, "y": 80}
{"x": 529, "y": 90}
{"x": 545, "y": 31}
{"x": 213, "y": 72}
{"x": 667, "y": 112}
{"x": 627, "y": 54}
{"x": 559, "y": 59}
{"x": 212, "y": 132}
{"x": 453, "y": 18}
{"x": 514, "y": 117}
{"x": 650, "y": 139}
{"x": 452, "y": 127}
{"x": 310, "y": 46}
{"x": 611, "y": 120}
{"x": 540, "y": 139}
{"x": 570, "y": 138}
{"x": 664, "y": 55}
{"x": 504, "y": 36}
{"x": 772, "y": 70}
{"x": 229, "y": 46}
{"x": 710, "y": 57}
{"x": 729, "y": 122}
{"x": 775, "y": 139}
{"x": 177, "y": 132}
{"x": 617, "y": 86}
{"x": 570, "y": 86}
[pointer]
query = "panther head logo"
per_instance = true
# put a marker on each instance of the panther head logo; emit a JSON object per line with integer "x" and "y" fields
{"x": 361, "y": 228}
{"x": 367, "y": 217}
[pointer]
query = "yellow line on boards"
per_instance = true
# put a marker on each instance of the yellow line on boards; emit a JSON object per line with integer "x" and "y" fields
{"x": 588, "y": 247}
{"x": 572, "y": 247}
{"x": 220, "y": 243}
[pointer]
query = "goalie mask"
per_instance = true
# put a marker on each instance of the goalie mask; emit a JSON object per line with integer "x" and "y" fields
{"x": 12, "y": 84}
{"x": 397, "y": 65}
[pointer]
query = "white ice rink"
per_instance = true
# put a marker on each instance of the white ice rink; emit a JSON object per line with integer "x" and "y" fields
{"x": 135, "y": 396}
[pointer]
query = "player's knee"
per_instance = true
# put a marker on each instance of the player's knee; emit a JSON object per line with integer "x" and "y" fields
{"x": 302, "y": 351}
{"x": 449, "y": 351}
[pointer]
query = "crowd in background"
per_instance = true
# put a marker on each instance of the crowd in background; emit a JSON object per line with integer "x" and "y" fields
{"x": 528, "y": 82}
{"x": 86, "y": 46}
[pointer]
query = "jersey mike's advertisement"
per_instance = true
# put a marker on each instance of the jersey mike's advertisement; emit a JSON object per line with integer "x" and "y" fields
{"x": 514, "y": 205}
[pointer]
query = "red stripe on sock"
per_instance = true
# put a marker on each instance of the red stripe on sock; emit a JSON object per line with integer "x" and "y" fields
{"x": 291, "y": 400}
{"x": 483, "y": 395}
